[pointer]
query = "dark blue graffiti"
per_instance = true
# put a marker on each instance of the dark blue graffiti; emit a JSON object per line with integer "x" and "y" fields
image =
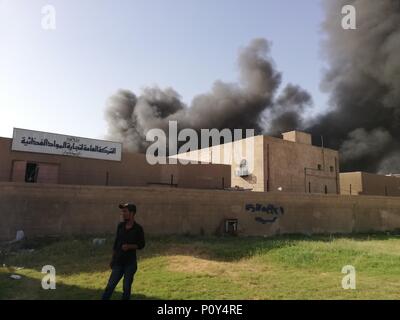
{"x": 265, "y": 221}
{"x": 269, "y": 209}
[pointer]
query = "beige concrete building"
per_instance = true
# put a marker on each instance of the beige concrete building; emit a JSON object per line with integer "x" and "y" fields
{"x": 261, "y": 163}
{"x": 267, "y": 164}
{"x": 132, "y": 170}
{"x": 362, "y": 183}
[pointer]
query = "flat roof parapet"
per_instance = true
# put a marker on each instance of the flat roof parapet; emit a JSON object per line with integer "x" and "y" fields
{"x": 297, "y": 136}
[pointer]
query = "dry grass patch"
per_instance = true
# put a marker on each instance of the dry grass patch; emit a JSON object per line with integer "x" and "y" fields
{"x": 193, "y": 264}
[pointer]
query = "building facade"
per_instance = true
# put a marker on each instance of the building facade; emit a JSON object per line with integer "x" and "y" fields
{"x": 268, "y": 164}
{"x": 362, "y": 183}
{"x": 132, "y": 170}
{"x": 261, "y": 164}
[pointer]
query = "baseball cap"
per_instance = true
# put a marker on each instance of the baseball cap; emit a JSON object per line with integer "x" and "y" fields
{"x": 130, "y": 206}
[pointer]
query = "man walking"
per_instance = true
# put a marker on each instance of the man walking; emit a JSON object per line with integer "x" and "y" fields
{"x": 129, "y": 238}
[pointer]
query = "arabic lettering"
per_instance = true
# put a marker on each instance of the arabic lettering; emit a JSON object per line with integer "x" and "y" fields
{"x": 270, "y": 209}
{"x": 71, "y": 146}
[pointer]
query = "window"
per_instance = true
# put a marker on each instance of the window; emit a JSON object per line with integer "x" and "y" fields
{"x": 31, "y": 172}
{"x": 319, "y": 167}
{"x": 326, "y": 189}
{"x": 231, "y": 226}
{"x": 331, "y": 168}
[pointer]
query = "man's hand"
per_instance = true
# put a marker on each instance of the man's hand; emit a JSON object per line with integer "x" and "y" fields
{"x": 126, "y": 247}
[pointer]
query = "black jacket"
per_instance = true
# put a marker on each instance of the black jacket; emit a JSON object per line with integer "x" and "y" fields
{"x": 134, "y": 235}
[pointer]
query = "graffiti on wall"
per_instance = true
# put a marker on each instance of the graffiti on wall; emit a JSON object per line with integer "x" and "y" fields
{"x": 265, "y": 213}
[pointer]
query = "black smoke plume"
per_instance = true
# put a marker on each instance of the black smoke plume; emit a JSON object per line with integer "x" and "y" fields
{"x": 242, "y": 105}
{"x": 363, "y": 80}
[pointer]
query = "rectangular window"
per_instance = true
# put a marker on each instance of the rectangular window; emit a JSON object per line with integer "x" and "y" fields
{"x": 331, "y": 168}
{"x": 319, "y": 167}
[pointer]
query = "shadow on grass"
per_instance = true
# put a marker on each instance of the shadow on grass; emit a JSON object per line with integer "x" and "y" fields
{"x": 30, "y": 289}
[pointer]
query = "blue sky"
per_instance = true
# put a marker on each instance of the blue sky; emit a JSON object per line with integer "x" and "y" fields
{"x": 59, "y": 80}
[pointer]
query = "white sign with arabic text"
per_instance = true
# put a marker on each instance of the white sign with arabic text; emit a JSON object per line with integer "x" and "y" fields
{"x": 58, "y": 144}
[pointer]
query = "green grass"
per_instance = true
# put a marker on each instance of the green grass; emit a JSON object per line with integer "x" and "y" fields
{"x": 286, "y": 267}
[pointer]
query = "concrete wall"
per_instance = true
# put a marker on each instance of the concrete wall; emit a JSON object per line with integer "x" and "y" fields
{"x": 251, "y": 149}
{"x": 60, "y": 210}
{"x": 256, "y": 180}
{"x": 362, "y": 183}
{"x": 298, "y": 167}
{"x": 297, "y": 136}
{"x": 133, "y": 170}
{"x": 351, "y": 183}
{"x": 196, "y": 176}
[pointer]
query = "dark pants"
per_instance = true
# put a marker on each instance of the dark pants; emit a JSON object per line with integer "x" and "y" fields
{"x": 118, "y": 271}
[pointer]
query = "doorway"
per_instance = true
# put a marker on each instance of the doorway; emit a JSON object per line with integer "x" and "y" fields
{"x": 31, "y": 172}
